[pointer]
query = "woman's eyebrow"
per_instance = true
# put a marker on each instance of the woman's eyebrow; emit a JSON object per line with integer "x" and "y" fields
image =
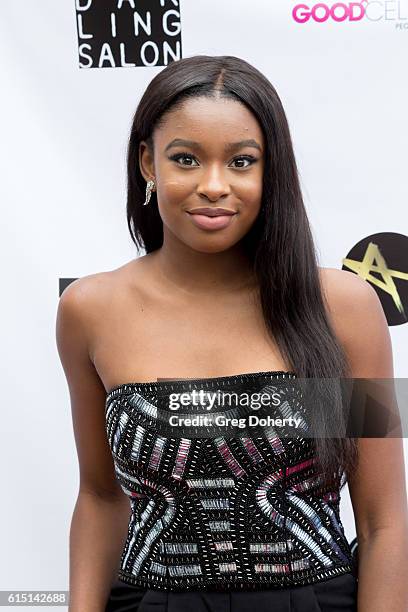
{"x": 180, "y": 142}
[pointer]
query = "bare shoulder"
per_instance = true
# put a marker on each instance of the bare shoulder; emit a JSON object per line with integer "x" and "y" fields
{"x": 98, "y": 285}
{"x": 86, "y": 288}
{"x": 92, "y": 296}
{"x": 81, "y": 309}
{"x": 92, "y": 305}
{"x": 349, "y": 297}
{"x": 79, "y": 312}
{"x": 346, "y": 288}
{"x": 359, "y": 321}
{"x": 81, "y": 302}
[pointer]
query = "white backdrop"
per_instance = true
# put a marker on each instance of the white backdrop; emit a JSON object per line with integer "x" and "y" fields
{"x": 63, "y": 137}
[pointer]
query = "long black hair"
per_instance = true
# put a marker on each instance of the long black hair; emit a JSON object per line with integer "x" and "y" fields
{"x": 279, "y": 243}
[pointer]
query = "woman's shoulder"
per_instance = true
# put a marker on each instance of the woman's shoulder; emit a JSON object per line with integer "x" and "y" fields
{"x": 95, "y": 297}
{"x": 93, "y": 304}
{"x": 99, "y": 285}
{"x": 347, "y": 294}
{"x": 357, "y": 316}
{"x": 87, "y": 293}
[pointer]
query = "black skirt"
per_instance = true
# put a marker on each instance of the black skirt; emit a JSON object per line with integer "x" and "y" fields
{"x": 337, "y": 594}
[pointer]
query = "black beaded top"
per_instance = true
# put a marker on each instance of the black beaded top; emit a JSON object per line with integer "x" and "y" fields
{"x": 218, "y": 512}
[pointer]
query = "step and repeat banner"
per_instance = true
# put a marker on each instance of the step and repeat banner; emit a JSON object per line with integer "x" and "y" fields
{"x": 72, "y": 75}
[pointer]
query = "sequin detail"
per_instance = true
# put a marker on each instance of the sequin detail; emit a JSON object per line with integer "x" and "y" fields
{"x": 221, "y": 513}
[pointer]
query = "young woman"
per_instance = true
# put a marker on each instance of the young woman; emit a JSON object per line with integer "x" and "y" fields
{"x": 229, "y": 291}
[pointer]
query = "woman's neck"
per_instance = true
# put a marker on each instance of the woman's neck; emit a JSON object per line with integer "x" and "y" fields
{"x": 197, "y": 273}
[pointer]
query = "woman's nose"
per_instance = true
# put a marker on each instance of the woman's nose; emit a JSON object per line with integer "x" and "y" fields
{"x": 213, "y": 184}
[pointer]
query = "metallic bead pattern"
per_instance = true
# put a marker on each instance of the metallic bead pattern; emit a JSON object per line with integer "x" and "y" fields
{"x": 221, "y": 513}
{"x": 181, "y": 458}
{"x": 177, "y": 548}
{"x": 227, "y": 545}
{"x": 219, "y": 525}
{"x": 208, "y": 483}
{"x": 157, "y": 452}
{"x": 137, "y": 442}
{"x": 228, "y": 457}
{"x": 215, "y": 504}
{"x": 184, "y": 570}
{"x": 158, "y": 568}
{"x": 228, "y": 568}
{"x": 251, "y": 449}
{"x": 271, "y": 547}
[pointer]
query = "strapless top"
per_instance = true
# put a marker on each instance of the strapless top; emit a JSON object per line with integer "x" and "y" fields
{"x": 216, "y": 511}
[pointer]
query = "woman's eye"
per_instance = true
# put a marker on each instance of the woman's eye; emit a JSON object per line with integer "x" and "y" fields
{"x": 244, "y": 158}
{"x": 179, "y": 156}
{"x": 190, "y": 159}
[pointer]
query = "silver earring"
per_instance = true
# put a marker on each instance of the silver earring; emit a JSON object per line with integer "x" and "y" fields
{"x": 149, "y": 188}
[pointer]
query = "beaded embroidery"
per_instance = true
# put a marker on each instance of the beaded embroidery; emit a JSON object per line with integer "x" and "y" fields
{"x": 220, "y": 513}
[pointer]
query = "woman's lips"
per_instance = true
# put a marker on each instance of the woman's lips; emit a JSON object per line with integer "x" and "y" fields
{"x": 211, "y": 223}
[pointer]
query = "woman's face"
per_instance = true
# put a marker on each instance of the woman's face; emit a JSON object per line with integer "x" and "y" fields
{"x": 208, "y": 153}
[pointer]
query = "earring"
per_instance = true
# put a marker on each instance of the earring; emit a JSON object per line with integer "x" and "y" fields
{"x": 149, "y": 188}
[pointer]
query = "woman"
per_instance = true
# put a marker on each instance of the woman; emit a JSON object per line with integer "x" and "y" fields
{"x": 236, "y": 297}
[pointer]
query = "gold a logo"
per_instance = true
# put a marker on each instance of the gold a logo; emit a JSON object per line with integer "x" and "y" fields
{"x": 382, "y": 260}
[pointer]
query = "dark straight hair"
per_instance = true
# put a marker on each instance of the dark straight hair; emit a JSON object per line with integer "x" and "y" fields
{"x": 279, "y": 243}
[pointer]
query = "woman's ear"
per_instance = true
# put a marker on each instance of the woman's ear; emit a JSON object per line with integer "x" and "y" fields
{"x": 146, "y": 161}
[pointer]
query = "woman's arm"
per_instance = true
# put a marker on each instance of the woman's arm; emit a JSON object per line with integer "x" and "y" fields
{"x": 101, "y": 513}
{"x": 378, "y": 488}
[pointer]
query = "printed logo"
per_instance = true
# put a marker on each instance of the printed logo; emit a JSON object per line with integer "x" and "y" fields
{"x": 128, "y": 33}
{"x": 382, "y": 260}
{"x": 371, "y": 10}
